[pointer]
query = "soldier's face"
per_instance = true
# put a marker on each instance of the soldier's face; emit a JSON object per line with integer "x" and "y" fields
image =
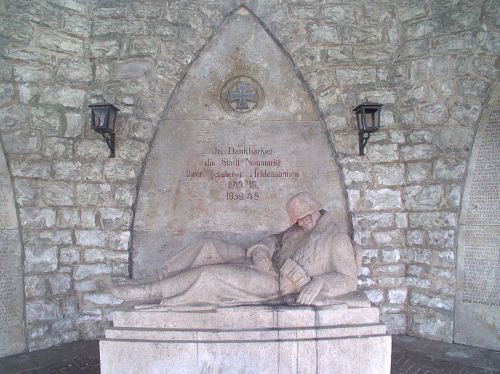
{"x": 307, "y": 222}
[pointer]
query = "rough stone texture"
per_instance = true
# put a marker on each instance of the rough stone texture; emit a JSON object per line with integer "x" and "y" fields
{"x": 432, "y": 68}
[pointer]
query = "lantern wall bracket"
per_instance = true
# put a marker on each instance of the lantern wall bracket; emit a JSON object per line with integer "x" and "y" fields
{"x": 363, "y": 139}
{"x": 110, "y": 141}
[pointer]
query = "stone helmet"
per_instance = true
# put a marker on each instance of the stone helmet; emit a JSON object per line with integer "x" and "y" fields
{"x": 301, "y": 205}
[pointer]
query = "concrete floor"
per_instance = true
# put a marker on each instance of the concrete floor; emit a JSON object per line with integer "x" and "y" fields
{"x": 409, "y": 355}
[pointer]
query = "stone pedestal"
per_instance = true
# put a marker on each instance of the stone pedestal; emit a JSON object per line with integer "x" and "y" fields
{"x": 247, "y": 339}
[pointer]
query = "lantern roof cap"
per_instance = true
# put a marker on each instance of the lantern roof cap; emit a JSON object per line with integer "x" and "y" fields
{"x": 96, "y": 105}
{"x": 367, "y": 103}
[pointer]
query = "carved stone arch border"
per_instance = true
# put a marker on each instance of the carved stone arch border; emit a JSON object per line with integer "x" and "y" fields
{"x": 170, "y": 105}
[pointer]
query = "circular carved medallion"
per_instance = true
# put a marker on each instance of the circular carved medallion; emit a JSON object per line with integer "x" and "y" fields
{"x": 241, "y": 95}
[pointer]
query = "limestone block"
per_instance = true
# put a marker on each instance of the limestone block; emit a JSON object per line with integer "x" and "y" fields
{"x": 144, "y": 45}
{"x": 442, "y": 238}
{"x": 95, "y": 255}
{"x": 416, "y": 48}
{"x": 14, "y": 51}
{"x": 457, "y": 138}
{"x": 15, "y": 29}
{"x": 349, "y": 77}
{"x": 58, "y": 148}
{"x": 125, "y": 195}
{"x": 133, "y": 150}
{"x": 68, "y": 170}
{"x": 48, "y": 121}
{"x": 452, "y": 43}
{"x": 49, "y": 237}
{"x": 105, "y": 48}
{"x": 34, "y": 286}
{"x": 101, "y": 299}
{"x": 423, "y": 198}
{"x": 453, "y": 194}
{"x": 74, "y": 124}
{"x": 69, "y": 255}
{"x": 476, "y": 88}
{"x": 42, "y": 310}
{"x": 418, "y": 172}
{"x": 31, "y": 73}
{"x": 119, "y": 241}
{"x": 414, "y": 237}
{"x": 88, "y": 218}
{"x": 25, "y": 142}
{"x": 115, "y": 170}
{"x": 37, "y": 217}
{"x": 338, "y": 13}
{"x": 59, "y": 283}
{"x": 421, "y": 29}
{"x": 58, "y": 194}
{"x": 382, "y": 152}
{"x": 165, "y": 29}
{"x": 323, "y": 34}
{"x": 407, "y": 117}
{"x": 465, "y": 112}
{"x": 131, "y": 69}
{"x": 397, "y": 295}
{"x": 93, "y": 194}
{"x": 90, "y": 238}
{"x": 74, "y": 70}
{"x": 75, "y": 5}
{"x": 40, "y": 259}
{"x": 389, "y": 175}
{"x": 85, "y": 271}
{"x": 418, "y": 282}
{"x": 28, "y": 92}
{"x": 382, "y": 199}
{"x": 432, "y": 302}
{"x": 68, "y": 97}
{"x": 375, "y": 296}
{"x": 6, "y": 93}
{"x": 392, "y": 238}
{"x": 76, "y": 25}
{"x": 91, "y": 149}
{"x": 373, "y": 220}
{"x": 57, "y": 42}
{"x": 142, "y": 129}
{"x": 418, "y": 152}
{"x": 396, "y": 323}
{"x": 112, "y": 218}
{"x": 391, "y": 256}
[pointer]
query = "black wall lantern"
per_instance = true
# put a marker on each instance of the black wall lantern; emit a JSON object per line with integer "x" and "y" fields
{"x": 368, "y": 117}
{"x": 103, "y": 116}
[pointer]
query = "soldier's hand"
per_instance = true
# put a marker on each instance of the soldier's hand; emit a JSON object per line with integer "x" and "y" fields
{"x": 310, "y": 291}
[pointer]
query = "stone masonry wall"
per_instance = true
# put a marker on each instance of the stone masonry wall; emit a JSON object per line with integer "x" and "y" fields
{"x": 432, "y": 64}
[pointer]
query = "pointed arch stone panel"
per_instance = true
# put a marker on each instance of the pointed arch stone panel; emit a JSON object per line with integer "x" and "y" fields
{"x": 477, "y": 306}
{"x": 241, "y": 136}
{"x": 12, "y": 331}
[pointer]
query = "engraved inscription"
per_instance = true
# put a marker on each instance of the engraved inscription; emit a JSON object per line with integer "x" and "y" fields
{"x": 482, "y": 266}
{"x": 477, "y": 312}
{"x": 12, "y": 338}
{"x": 484, "y": 195}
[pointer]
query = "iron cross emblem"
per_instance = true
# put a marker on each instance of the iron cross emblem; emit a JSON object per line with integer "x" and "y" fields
{"x": 242, "y": 93}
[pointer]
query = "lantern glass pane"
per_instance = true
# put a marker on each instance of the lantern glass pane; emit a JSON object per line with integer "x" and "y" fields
{"x": 359, "y": 119}
{"x": 112, "y": 117}
{"x": 100, "y": 118}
